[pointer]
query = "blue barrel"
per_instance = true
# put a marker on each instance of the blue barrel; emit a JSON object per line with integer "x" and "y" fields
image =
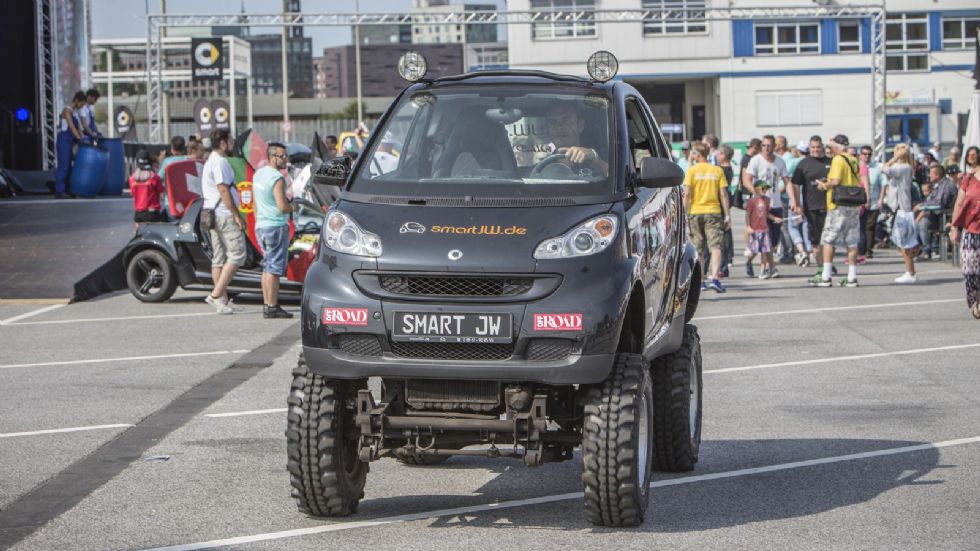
{"x": 88, "y": 170}
{"x": 115, "y": 174}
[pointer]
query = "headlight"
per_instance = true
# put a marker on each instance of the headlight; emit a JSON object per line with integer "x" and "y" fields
{"x": 589, "y": 238}
{"x": 342, "y": 234}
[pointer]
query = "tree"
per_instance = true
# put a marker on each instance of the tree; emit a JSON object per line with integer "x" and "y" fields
{"x": 349, "y": 112}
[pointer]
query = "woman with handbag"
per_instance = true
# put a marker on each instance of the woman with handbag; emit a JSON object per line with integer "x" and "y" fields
{"x": 898, "y": 171}
{"x": 965, "y": 232}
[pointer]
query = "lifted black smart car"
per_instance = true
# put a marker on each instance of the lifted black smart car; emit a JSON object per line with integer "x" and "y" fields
{"x": 509, "y": 257}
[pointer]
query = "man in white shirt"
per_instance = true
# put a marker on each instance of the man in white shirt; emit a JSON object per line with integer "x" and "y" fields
{"x": 87, "y": 113}
{"x": 769, "y": 167}
{"x": 227, "y": 239}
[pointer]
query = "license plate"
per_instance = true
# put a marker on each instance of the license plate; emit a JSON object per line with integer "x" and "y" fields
{"x": 453, "y": 327}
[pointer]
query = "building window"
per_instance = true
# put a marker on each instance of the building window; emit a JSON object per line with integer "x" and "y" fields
{"x": 907, "y": 42}
{"x": 789, "y": 108}
{"x": 848, "y": 36}
{"x": 960, "y": 33}
{"x": 674, "y": 17}
{"x": 781, "y": 39}
{"x": 575, "y": 19}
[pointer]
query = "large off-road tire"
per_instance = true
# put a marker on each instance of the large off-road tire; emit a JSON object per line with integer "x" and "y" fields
{"x": 677, "y": 405}
{"x": 322, "y": 444}
{"x": 617, "y": 444}
{"x": 150, "y": 276}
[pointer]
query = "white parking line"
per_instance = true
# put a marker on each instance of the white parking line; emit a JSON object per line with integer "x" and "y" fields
{"x": 829, "y": 309}
{"x": 251, "y": 412}
{"x": 126, "y": 359}
{"x": 343, "y": 526}
{"x": 846, "y": 358}
{"x": 58, "y": 431}
{"x": 121, "y": 318}
{"x": 10, "y": 321}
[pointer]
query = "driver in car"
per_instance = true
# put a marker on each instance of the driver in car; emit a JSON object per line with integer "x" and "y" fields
{"x": 565, "y": 126}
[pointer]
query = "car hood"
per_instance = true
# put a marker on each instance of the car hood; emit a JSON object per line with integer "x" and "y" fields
{"x": 476, "y": 239}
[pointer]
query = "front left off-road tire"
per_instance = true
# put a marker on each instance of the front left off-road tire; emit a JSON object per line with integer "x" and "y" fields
{"x": 322, "y": 444}
{"x": 617, "y": 444}
{"x": 677, "y": 405}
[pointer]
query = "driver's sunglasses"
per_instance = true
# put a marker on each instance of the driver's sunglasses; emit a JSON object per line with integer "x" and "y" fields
{"x": 865, "y": 153}
{"x": 279, "y": 155}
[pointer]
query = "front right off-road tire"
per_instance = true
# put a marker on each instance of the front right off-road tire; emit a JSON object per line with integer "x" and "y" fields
{"x": 322, "y": 444}
{"x": 677, "y": 405}
{"x": 617, "y": 444}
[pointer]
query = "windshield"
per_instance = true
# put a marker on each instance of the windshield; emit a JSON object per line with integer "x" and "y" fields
{"x": 500, "y": 142}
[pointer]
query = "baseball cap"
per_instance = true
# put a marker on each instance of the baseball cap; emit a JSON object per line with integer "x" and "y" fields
{"x": 952, "y": 170}
{"x": 762, "y": 184}
{"x": 841, "y": 139}
{"x": 685, "y": 145}
{"x": 143, "y": 160}
{"x": 803, "y": 146}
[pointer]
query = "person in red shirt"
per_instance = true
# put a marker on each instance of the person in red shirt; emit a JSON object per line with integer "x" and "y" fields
{"x": 146, "y": 187}
{"x": 965, "y": 232}
{"x": 758, "y": 214}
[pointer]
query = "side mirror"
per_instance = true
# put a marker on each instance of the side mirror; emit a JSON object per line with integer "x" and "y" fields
{"x": 659, "y": 173}
{"x": 333, "y": 172}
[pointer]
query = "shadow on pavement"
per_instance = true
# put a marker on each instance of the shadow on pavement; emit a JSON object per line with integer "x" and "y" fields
{"x": 698, "y": 505}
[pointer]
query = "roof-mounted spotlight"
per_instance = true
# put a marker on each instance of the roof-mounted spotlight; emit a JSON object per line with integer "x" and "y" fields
{"x": 602, "y": 66}
{"x": 412, "y": 66}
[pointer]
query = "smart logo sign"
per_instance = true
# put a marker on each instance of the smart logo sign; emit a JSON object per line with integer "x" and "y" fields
{"x": 207, "y": 59}
{"x": 123, "y": 119}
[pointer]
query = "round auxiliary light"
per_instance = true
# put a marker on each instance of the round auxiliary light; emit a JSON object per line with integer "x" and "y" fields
{"x": 412, "y": 66}
{"x": 602, "y": 66}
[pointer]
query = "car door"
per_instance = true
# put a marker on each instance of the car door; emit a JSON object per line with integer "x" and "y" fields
{"x": 670, "y": 225}
{"x": 648, "y": 218}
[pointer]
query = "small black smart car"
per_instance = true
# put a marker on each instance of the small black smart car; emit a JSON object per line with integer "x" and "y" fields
{"x": 509, "y": 257}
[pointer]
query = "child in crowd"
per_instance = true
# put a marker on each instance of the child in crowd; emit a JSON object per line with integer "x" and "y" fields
{"x": 146, "y": 187}
{"x": 757, "y": 217}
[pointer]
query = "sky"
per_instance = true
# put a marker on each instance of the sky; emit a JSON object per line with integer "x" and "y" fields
{"x": 127, "y": 18}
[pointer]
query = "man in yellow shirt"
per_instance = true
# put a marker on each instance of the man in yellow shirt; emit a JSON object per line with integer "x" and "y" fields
{"x": 706, "y": 204}
{"x": 843, "y": 225}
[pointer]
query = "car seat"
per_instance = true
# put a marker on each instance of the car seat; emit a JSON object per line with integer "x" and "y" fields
{"x": 476, "y": 143}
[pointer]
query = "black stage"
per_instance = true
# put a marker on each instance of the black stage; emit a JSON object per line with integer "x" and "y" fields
{"x": 62, "y": 249}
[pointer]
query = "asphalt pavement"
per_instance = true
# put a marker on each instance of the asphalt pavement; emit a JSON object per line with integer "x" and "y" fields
{"x": 833, "y": 419}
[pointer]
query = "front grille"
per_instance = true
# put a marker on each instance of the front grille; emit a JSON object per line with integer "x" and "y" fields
{"x": 452, "y": 395}
{"x": 478, "y": 286}
{"x": 360, "y": 345}
{"x": 453, "y": 351}
{"x": 542, "y": 350}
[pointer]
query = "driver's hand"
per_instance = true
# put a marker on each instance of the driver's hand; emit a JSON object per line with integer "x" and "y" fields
{"x": 578, "y": 154}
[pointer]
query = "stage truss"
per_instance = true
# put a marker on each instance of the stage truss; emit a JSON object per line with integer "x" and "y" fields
{"x": 874, "y": 13}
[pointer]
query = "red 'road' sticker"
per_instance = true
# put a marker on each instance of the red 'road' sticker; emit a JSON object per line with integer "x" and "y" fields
{"x": 345, "y": 316}
{"x": 557, "y": 322}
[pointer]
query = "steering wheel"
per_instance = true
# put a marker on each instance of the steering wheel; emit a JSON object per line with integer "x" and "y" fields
{"x": 548, "y": 161}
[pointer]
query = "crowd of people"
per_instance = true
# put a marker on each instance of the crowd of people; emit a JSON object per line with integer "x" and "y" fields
{"x": 220, "y": 216}
{"x": 807, "y": 203}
